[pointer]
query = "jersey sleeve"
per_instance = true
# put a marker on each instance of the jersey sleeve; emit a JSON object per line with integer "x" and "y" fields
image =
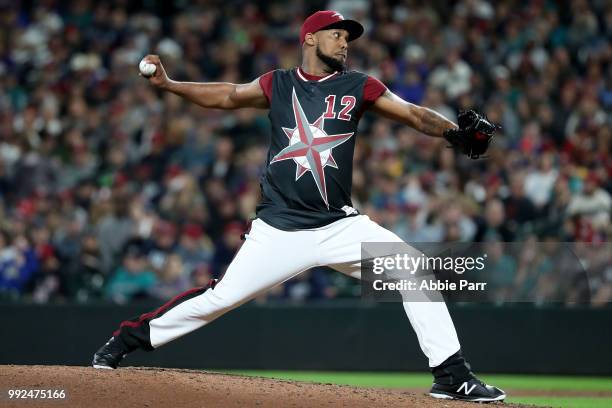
{"x": 265, "y": 81}
{"x": 372, "y": 89}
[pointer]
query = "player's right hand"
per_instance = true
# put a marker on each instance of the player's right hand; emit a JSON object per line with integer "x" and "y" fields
{"x": 159, "y": 78}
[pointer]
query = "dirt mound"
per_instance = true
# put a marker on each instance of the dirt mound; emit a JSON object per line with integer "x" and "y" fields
{"x": 156, "y": 387}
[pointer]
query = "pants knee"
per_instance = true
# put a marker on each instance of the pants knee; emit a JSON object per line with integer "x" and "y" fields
{"x": 223, "y": 302}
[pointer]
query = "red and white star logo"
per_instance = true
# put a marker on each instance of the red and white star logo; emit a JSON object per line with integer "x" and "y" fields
{"x": 310, "y": 147}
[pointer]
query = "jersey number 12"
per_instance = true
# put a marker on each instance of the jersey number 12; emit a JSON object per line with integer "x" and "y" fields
{"x": 348, "y": 102}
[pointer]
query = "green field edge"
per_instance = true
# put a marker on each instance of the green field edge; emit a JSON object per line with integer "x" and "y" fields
{"x": 410, "y": 380}
{"x": 564, "y": 402}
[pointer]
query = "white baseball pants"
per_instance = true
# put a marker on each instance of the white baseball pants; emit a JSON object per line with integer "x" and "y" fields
{"x": 270, "y": 256}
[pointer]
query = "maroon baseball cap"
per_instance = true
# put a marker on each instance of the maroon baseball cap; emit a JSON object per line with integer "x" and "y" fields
{"x": 328, "y": 19}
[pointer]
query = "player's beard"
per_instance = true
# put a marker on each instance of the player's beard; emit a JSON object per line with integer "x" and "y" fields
{"x": 333, "y": 64}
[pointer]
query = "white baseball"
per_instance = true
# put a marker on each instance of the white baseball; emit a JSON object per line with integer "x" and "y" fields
{"x": 146, "y": 69}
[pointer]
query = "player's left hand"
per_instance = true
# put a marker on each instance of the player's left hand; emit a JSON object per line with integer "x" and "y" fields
{"x": 473, "y": 135}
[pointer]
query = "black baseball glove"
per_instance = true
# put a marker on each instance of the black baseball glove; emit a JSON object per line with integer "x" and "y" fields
{"x": 474, "y": 134}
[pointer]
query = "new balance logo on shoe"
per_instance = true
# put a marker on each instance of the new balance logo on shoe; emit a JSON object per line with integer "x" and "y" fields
{"x": 470, "y": 390}
{"x": 467, "y": 391}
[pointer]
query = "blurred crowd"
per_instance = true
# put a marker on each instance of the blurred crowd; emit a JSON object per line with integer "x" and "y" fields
{"x": 547, "y": 272}
{"x": 112, "y": 190}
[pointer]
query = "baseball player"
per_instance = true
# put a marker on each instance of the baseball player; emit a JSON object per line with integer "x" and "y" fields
{"x": 305, "y": 218}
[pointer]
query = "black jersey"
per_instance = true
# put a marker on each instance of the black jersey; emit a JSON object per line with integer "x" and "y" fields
{"x": 308, "y": 177}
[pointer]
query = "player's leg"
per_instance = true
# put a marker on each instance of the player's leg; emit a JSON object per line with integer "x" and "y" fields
{"x": 256, "y": 268}
{"x": 430, "y": 320}
{"x": 340, "y": 248}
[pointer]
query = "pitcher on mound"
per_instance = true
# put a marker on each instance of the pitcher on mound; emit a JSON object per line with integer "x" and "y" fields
{"x": 305, "y": 218}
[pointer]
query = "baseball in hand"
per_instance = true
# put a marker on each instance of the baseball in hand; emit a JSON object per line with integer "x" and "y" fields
{"x": 146, "y": 69}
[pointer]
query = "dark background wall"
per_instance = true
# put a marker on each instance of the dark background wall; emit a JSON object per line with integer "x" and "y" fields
{"x": 327, "y": 336}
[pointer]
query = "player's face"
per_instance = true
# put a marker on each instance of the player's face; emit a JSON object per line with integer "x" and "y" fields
{"x": 332, "y": 48}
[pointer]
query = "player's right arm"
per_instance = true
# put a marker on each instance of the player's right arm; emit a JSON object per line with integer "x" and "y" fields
{"x": 214, "y": 95}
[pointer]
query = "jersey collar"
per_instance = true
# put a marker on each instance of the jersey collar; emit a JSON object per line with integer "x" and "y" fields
{"x": 304, "y": 76}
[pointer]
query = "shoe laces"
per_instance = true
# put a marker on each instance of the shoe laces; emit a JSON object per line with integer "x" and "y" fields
{"x": 480, "y": 382}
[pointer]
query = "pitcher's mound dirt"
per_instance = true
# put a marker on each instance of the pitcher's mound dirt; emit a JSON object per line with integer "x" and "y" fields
{"x": 156, "y": 387}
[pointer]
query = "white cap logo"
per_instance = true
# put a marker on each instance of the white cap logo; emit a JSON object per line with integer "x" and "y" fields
{"x": 338, "y": 15}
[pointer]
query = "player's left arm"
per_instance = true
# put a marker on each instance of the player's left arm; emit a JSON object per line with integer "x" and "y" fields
{"x": 418, "y": 117}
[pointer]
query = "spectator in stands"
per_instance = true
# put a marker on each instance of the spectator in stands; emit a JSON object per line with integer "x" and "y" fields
{"x": 593, "y": 204}
{"x": 172, "y": 279}
{"x": 133, "y": 279}
{"x": 494, "y": 225}
{"x": 18, "y": 264}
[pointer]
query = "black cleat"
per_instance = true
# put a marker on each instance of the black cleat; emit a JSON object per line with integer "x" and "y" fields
{"x": 471, "y": 390}
{"x": 109, "y": 355}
